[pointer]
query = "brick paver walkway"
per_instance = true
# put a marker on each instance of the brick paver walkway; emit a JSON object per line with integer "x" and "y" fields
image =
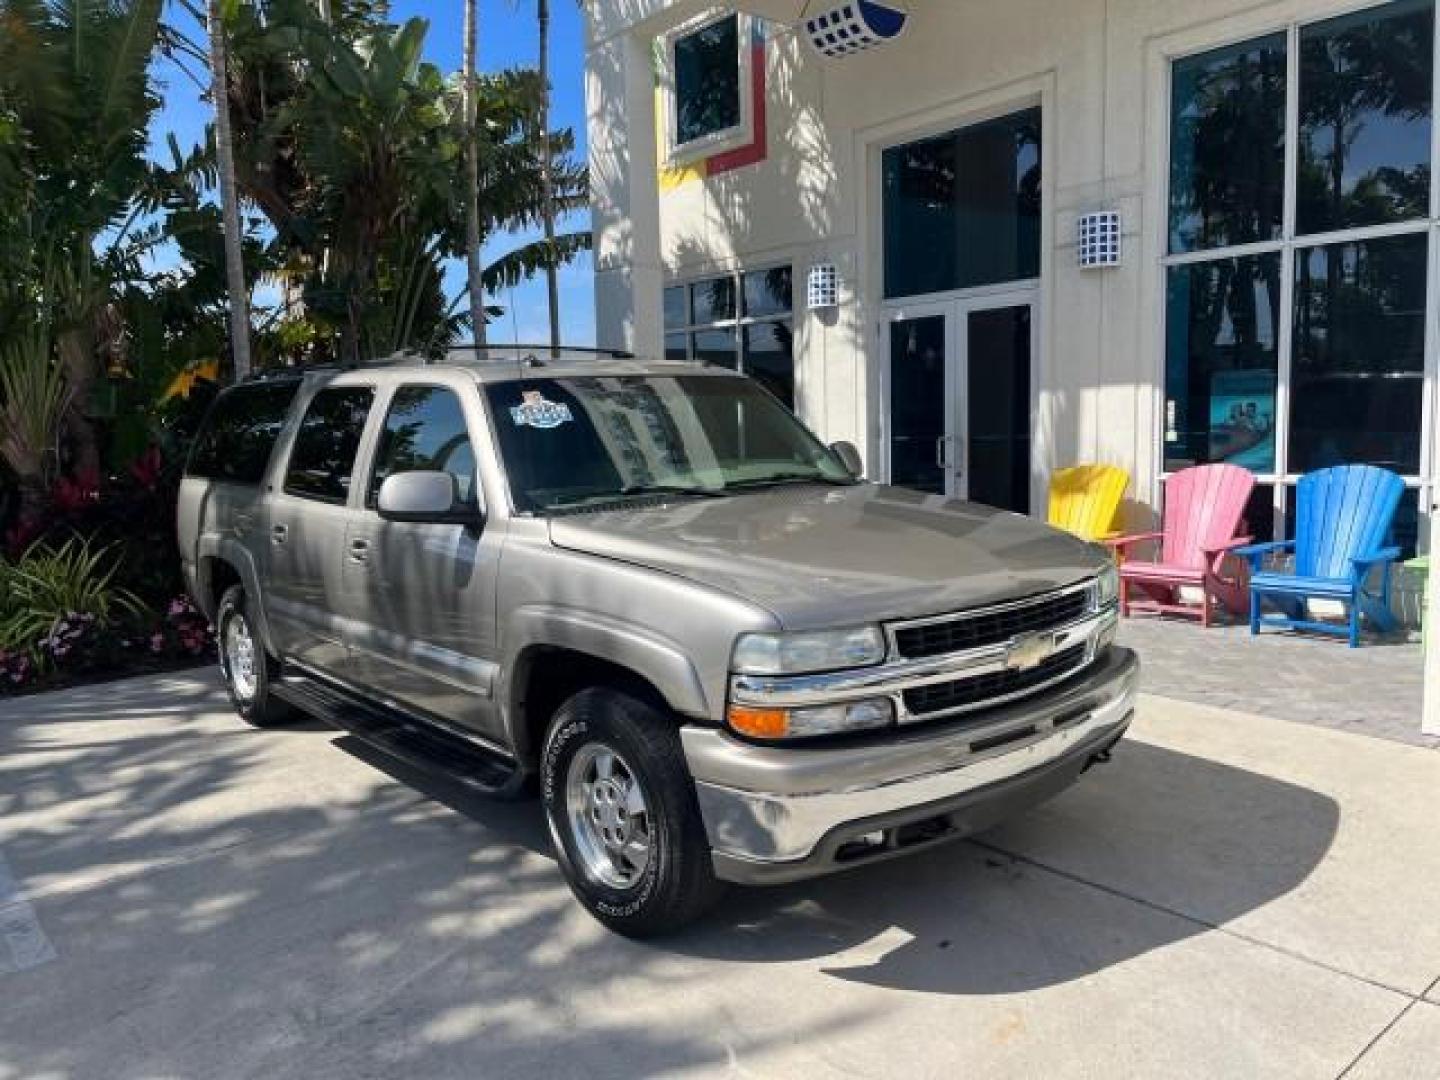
{"x": 1374, "y": 690}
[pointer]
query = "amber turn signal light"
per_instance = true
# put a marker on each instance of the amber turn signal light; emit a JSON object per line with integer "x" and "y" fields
{"x": 759, "y": 723}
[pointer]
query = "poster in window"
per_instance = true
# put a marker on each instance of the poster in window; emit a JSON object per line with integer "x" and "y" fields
{"x": 1242, "y": 419}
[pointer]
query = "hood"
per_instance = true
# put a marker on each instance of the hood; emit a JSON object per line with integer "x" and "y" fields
{"x": 819, "y": 556}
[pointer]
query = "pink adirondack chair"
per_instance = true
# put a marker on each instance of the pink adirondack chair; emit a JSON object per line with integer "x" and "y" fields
{"x": 1203, "y": 510}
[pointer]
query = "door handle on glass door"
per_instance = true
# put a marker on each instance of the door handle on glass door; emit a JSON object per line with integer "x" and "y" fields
{"x": 279, "y": 534}
{"x": 942, "y": 451}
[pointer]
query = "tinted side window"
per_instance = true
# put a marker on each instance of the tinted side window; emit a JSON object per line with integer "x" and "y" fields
{"x": 425, "y": 430}
{"x": 325, "y": 446}
{"x": 240, "y": 431}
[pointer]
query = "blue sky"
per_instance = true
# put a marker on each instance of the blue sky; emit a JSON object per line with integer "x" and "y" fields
{"x": 507, "y": 39}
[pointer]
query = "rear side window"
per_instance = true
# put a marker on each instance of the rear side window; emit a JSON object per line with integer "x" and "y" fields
{"x": 325, "y": 446}
{"x": 425, "y": 430}
{"x": 240, "y": 431}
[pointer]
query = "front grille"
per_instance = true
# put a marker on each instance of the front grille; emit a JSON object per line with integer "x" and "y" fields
{"x": 979, "y": 689}
{"x": 991, "y": 628}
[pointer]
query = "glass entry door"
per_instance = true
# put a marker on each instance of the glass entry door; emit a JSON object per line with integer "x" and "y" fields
{"x": 959, "y": 389}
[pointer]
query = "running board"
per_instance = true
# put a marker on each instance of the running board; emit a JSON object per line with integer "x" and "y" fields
{"x": 408, "y": 739}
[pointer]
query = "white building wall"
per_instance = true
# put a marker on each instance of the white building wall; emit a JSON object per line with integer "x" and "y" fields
{"x": 1100, "y": 70}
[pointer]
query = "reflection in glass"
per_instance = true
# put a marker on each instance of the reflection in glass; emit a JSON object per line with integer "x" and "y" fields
{"x": 1365, "y": 87}
{"x": 770, "y": 358}
{"x": 707, "y": 81}
{"x": 1359, "y": 355}
{"x": 674, "y": 300}
{"x": 917, "y": 403}
{"x": 767, "y": 292}
{"x": 675, "y": 347}
{"x": 714, "y": 346}
{"x": 1220, "y": 362}
{"x": 712, "y": 300}
{"x": 1227, "y": 145}
{"x": 963, "y": 209}
{"x": 425, "y": 430}
{"x": 998, "y": 408}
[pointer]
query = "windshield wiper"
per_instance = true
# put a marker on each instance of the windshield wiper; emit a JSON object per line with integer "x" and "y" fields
{"x": 788, "y": 478}
{"x": 671, "y": 489}
{"x": 566, "y": 502}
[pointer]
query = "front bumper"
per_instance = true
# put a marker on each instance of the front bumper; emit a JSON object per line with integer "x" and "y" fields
{"x": 776, "y": 814}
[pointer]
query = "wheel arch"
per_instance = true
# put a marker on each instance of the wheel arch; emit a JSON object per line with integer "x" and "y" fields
{"x": 561, "y": 653}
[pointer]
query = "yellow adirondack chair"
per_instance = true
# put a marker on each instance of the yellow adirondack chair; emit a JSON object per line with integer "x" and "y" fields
{"x": 1084, "y": 499}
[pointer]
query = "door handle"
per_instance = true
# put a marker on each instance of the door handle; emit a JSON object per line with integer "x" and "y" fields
{"x": 279, "y": 534}
{"x": 942, "y": 451}
{"x": 359, "y": 551}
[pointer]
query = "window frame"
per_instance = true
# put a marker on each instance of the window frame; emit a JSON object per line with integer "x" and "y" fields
{"x": 1282, "y": 480}
{"x": 678, "y": 154}
{"x": 363, "y": 450}
{"x": 740, "y": 322}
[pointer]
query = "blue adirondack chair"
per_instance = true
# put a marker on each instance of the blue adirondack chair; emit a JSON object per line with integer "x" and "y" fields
{"x": 1343, "y": 519}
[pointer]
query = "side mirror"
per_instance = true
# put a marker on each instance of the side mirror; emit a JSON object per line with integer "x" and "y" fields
{"x": 427, "y": 497}
{"x": 849, "y": 457}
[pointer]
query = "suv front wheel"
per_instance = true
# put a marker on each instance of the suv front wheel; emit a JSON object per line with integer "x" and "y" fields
{"x": 622, "y": 814}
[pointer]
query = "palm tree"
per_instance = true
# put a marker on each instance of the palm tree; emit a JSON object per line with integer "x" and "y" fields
{"x": 472, "y": 174}
{"x": 225, "y": 159}
{"x": 547, "y": 194}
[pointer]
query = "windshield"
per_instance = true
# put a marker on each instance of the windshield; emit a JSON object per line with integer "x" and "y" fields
{"x": 584, "y": 440}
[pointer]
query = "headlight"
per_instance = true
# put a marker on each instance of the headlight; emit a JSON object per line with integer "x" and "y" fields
{"x": 763, "y": 723}
{"x": 805, "y": 653}
{"x": 1107, "y": 588}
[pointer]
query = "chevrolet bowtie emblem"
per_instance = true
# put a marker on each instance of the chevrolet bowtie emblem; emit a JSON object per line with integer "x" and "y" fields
{"x": 1030, "y": 652}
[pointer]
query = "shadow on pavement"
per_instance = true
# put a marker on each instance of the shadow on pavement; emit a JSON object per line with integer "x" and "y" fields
{"x": 232, "y": 902}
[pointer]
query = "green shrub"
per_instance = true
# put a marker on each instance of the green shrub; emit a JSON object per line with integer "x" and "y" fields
{"x": 50, "y": 586}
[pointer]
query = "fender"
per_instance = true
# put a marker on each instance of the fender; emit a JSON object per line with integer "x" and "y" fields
{"x": 658, "y": 660}
{"x": 217, "y": 546}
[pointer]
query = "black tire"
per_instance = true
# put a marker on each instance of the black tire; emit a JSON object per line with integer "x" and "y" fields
{"x": 677, "y": 883}
{"x": 258, "y": 706}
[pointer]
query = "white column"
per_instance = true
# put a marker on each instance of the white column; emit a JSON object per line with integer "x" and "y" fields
{"x": 1430, "y": 711}
{"x": 624, "y": 193}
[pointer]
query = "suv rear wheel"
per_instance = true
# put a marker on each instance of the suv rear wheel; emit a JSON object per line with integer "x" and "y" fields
{"x": 244, "y": 664}
{"x": 622, "y": 814}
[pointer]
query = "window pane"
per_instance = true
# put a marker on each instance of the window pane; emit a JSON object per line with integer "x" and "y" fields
{"x": 240, "y": 432}
{"x": 1227, "y": 145}
{"x": 675, "y": 347}
{"x": 1365, "y": 118}
{"x": 1259, "y": 519}
{"x": 712, "y": 300}
{"x": 714, "y": 347}
{"x": 770, "y": 358}
{"x": 963, "y": 209}
{"x": 767, "y": 292}
{"x": 425, "y": 430}
{"x": 1220, "y": 362}
{"x": 674, "y": 298}
{"x": 1359, "y": 356}
{"x": 707, "y": 81}
{"x": 324, "y": 453}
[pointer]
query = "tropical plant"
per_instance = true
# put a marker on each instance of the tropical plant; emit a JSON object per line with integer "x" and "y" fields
{"x": 469, "y": 90}
{"x": 238, "y": 295}
{"x": 34, "y": 397}
{"x": 75, "y": 108}
{"x": 48, "y": 585}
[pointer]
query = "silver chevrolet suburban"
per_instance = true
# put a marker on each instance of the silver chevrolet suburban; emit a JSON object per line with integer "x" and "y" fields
{"x": 648, "y": 588}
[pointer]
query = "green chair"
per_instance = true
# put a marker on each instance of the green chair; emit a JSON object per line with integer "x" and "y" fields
{"x": 1422, "y": 564}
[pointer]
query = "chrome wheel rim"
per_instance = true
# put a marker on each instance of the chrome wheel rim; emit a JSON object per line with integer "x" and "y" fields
{"x": 608, "y": 816}
{"x": 238, "y": 649}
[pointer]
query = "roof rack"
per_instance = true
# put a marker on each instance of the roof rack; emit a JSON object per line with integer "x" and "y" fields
{"x": 529, "y": 355}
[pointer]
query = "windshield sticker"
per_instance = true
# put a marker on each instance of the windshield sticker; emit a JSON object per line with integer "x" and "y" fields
{"x": 534, "y": 411}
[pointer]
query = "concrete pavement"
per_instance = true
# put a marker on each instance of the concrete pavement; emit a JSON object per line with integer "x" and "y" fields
{"x": 1233, "y": 896}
